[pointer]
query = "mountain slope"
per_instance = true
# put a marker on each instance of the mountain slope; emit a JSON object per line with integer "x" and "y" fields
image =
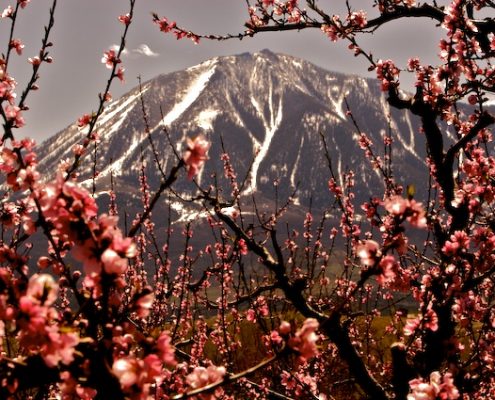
{"x": 269, "y": 110}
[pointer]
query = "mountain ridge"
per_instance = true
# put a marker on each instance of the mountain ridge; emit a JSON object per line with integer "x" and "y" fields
{"x": 268, "y": 111}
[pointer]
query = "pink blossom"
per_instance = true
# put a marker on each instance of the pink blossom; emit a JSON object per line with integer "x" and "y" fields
{"x": 5, "y": 89}
{"x": 251, "y": 315}
{"x": 436, "y": 387}
{"x": 17, "y": 45}
{"x": 331, "y": 31}
{"x": 410, "y": 209}
{"x": 196, "y": 154}
{"x": 369, "y": 252}
{"x": 416, "y": 215}
{"x": 421, "y": 390}
{"x": 201, "y": 377}
{"x": 164, "y": 24}
{"x": 14, "y": 114}
{"x": 60, "y": 348}
{"x": 262, "y": 306}
{"x": 388, "y": 270}
{"x": 387, "y": 73}
{"x": 448, "y": 389}
{"x": 144, "y": 304}
{"x": 364, "y": 141}
{"x": 110, "y": 58}
{"x": 304, "y": 341}
{"x": 427, "y": 321}
{"x": 473, "y": 99}
{"x": 113, "y": 263}
{"x": 84, "y": 120}
{"x": 193, "y": 37}
{"x": 288, "y": 380}
{"x": 44, "y": 262}
{"x": 125, "y": 19}
{"x": 275, "y": 337}
{"x": 243, "y": 249}
{"x": 166, "y": 350}
{"x": 285, "y": 328}
{"x": 396, "y": 205}
{"x": 411, "y": 326}
{"x": 78, "y": 149}
{"x": 85, "y": 393}
{"x": 358, "y": 19}
{"x": 152, "y": 368}
{"x": 7, "y": 12}
{"x": 120, "y": 74}
{"x": 34, "y": 60}
{"x": 127, "y": 371}
{"x": 295, "y": 17}
{"x": 459, "y": 242}
{"x": 43, "y": 289}
{"x": 23, "y": 3}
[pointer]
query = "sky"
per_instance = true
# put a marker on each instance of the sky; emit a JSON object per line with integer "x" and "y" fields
{"x": 84, "y": 29}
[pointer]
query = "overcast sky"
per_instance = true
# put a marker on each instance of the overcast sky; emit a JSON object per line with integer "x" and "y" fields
{"x": 86, "y": 28}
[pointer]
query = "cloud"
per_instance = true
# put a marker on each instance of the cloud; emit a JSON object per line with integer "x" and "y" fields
{"x": 115, "y": 47}
{"x": 144, "y": 49}
{"x": 141, "y": 50}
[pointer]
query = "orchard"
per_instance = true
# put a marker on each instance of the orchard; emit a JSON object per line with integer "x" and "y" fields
{"x": 314, "y": 311}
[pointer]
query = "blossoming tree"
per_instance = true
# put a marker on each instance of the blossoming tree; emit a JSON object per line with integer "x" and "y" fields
{"x": 91, "y": 319}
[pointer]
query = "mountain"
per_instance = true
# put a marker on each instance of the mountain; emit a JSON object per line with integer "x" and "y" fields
{"x": 268, "y": 110}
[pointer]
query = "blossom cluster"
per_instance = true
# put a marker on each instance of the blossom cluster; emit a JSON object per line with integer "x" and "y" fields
{"x": 438, "y": 386}
{"x": 167, "y": 26}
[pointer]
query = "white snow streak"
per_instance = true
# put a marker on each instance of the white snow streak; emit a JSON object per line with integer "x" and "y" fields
{"x": 110, "y": 112}
{"x": 187, "y": 215}
{"x": 117, "y": 165}
{"x": 294, "y": 169}
{"x": 205, "y": 119}
{"x": 270, "y": 129}
{"x": 338, "y": 102}
{"x": 193, "y": 93}
{"x": 297, "y": 64}
{"x": 407, "y": 146}
{"x": 412, "y": 144}
{"x": 340, "y": 176}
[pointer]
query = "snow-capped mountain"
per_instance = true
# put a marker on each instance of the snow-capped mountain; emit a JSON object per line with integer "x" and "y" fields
{"x": 268, "y": 110}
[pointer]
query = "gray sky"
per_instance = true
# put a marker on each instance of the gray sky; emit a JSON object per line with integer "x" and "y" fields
{"x": 86, "y": 28}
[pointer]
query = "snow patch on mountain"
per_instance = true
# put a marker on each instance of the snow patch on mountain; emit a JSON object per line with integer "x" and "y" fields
{"x": 270, "y": 128}
{"x": 297, "y": 64}
{"x": 186, "y": 214}
{"x": 192, "y": 93}
{"x": 121, "y": 106}
{"x": 412, "y": 143}
{"x": 337, "y": 101}
{"x": 118, "y": 164}
{"x": 295, "y": 169}
{"x": 206, "y": 118}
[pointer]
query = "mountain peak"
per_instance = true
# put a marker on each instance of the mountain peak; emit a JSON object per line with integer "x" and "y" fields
{"x": 268, "y": 52}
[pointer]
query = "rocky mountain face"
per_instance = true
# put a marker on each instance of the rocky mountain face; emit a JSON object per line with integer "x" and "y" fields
{"x": 268, "y": 111}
